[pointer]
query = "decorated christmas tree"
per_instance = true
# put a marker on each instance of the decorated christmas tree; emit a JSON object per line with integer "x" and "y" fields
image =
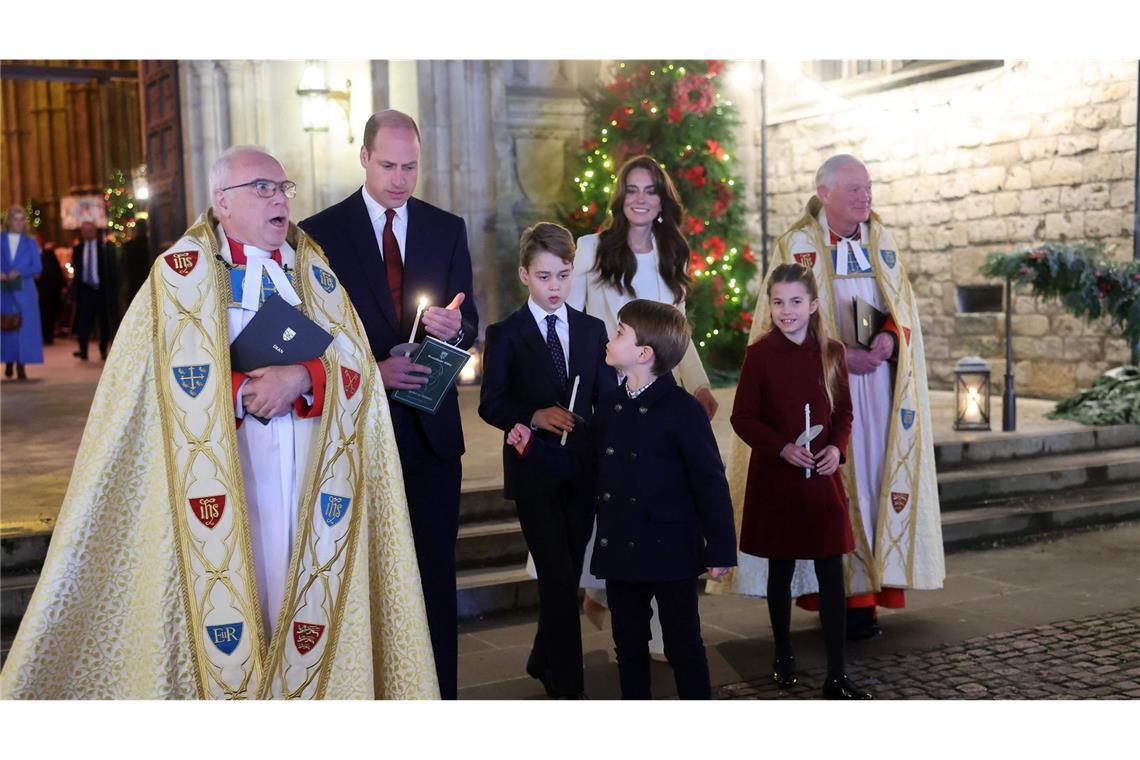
{"x": 120, "y": 203}
{"x": 673, "y": 111}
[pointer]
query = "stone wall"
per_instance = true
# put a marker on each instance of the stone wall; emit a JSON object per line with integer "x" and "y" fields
{"x": 963, "y": 165}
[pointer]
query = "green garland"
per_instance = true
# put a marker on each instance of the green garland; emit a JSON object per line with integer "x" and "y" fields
{"x": 1113, "y": 399}
{"x": 673, "y": 111}
{"x": 1085, "y": 282}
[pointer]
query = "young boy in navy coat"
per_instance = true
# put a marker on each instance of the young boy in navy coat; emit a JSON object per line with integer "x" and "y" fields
{"x": 664, "y": 511}
{"x": 531, "y": 361}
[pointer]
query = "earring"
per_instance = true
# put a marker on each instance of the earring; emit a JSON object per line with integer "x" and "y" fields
{"x": 660, "y": 218}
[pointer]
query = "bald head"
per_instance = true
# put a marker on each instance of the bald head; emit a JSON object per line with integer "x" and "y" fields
{"x": 244, "y": 214}
{"x": 221, "y": 171}
{"x": 844, "y": 187}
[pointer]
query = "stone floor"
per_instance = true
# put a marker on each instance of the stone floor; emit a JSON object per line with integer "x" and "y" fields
{"x": 1013, "y": 622}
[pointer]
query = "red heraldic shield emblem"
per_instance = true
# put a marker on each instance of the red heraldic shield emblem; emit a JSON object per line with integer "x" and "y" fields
{"x": 306, "y": 636}
{"x": 805, "y": 259}
{"x": 351, "y": 379}
{"x": 899, "y": 500}
{"x": 208, "y": 509}
{"x": 181, "y": 261}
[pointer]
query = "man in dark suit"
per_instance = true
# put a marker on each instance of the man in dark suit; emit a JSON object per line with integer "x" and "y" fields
{"x": 530, "y": 364}
{"x": 390, "y": 250}
{"x": 93, "y": 289}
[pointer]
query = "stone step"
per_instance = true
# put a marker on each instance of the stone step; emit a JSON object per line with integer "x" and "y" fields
{"x": 15, "y": 593}
{"x": 485, "y": 503}
{"x": 963, "y": 489}
{"x": 990, "y": 447}
{"x": 490, "y": 543}
{"x": 490, "y": 590}
{"x": 1040, "y": 514}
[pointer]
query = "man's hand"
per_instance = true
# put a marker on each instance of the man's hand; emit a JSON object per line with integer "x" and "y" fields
{"x": 553, "y": 419}
{"x": 797, "y": 456}
{"x": 883, "y": 346}
{"x": 707, "y": 401}
{"x": 271, "y": 391}
{"x": 444, "y": 323}
{"x": 519, "y": 437}
{"x": 717, "y": 572}
{"x": 398, "y": 372}
{"x": 861, "y": 361}
{"x": 827, "y": 461}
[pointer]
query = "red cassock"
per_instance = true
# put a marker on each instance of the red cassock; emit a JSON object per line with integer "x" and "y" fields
{"x": 788, "y": 516}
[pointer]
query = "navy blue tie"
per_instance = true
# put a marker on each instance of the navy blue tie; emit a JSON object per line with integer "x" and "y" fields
{"x": 555, "y": 347}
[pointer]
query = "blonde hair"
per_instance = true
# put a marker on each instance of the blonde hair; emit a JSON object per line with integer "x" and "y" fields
{"x": 791, "y": 273}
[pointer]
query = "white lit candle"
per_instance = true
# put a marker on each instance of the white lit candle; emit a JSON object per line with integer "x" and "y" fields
{"x": 807, "y": 436}
{"x": 416, "y": 324}
{"x": 573, "y": 396}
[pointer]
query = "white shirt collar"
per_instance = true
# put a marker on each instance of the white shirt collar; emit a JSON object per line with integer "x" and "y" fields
{"x": 540, "y": 314}
{"x": 376, "y": 210}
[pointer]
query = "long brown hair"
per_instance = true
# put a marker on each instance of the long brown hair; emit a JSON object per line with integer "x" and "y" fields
{"x": 828, "y": 351}
{"x": 616, "y": 264}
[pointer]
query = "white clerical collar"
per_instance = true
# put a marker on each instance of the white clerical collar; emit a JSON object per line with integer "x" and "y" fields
{"x": 376, "y": 210}
{"x": 540, "y": 314}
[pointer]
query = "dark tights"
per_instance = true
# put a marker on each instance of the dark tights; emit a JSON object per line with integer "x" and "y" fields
{"x": 832, "y": 608}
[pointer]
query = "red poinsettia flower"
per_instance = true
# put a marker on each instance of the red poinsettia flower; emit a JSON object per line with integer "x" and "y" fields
{"x": 628, "y": 148}
{"x": 641, "y": 76}
{"x": 694, "y": 93}
{"x": 692, "y": 225}
{"x": 748, "y": 255}
{"x": 694, "y": 175}
{"x": 715, "y": 67}
{"x": 715, "y": 149}
{"x": 724, "y": 196}
{"x": 714, "y": 246}
{"x": 619, "y": 86}
{"x": 674, "y": 114}
{"x": 619, "y": 119}
{"x": 697, "y": 263}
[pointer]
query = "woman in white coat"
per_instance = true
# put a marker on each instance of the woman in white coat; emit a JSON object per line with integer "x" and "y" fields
{"x": 640, "y": 252}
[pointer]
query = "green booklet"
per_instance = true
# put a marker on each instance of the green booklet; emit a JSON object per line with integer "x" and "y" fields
{"x": 445, "y": 361}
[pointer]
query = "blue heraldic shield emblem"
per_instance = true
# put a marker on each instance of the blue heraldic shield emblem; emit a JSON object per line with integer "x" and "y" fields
{"x": 888, "y": 258}
{"x": 225, "y": 636}
{"x": 907, "y": 417}
{"x": 192, "y": 378}
{"x": 324, "y": 279}
{"x": 333, "y": 508}
{"x": 237, "y": 283}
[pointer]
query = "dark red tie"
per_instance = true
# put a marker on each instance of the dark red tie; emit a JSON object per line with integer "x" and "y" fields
{"x": 393, "y": 263}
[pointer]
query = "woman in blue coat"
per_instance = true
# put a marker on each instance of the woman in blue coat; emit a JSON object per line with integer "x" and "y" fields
{"x": 20, "y": 264}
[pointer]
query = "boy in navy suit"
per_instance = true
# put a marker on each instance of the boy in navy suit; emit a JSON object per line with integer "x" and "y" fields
{"x": 531, "y": 360}
{"x": 664, "y": 511}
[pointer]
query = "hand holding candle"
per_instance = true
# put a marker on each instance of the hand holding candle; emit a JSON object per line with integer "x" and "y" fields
{"x": 573, "y": 396}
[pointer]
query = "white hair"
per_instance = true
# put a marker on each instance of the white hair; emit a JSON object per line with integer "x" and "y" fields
{"x": 220, "y": 171}
{"x": 826, "y": 172}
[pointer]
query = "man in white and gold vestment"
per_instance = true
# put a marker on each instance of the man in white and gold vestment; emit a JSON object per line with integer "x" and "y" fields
{"x": 202, "y": 554}
{"x": 889, "y": 471}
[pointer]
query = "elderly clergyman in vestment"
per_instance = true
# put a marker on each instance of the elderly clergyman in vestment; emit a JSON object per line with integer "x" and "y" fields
{"x": 202, "y": 554}
{"x": 889, "y": 472}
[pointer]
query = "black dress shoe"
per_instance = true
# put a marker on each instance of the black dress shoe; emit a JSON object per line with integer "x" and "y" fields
{"x": 80, "y": 354}
{"x": 842, "y": 688}
{"x": 865, "y": 632}
{"x": 8, "y": 369}
{"x": 784, "y": 672}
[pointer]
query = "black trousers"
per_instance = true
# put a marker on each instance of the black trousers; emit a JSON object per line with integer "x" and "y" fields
{"x": 432, "y": 487}
{"x": 91, "y": 307}
{"x": 556, "y": 531}
{"x": 680, "y": 627}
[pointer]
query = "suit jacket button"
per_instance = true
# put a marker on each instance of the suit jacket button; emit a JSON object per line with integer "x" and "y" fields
{"x": 631, "y": 544}
{"x": 643, "y": 409}
{"x": 632, "y": 499}
{"x": 617, "y": 407}
{"x": 633, "y": 455}
{"x": 609, "y": 451}
{"x": 604, "y": 542}
{"x": 606, "y": 496}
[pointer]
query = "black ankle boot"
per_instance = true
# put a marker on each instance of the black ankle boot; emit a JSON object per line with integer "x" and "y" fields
{"x": 842, "y": 688}
{"x": 784, "y": 672}
{"x": 8, "y": 369}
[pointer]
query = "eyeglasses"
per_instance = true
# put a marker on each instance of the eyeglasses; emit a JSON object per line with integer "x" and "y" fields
{"x": 267, "y": 188}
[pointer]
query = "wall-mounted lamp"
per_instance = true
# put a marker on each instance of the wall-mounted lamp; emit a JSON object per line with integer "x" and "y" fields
{"x": 317, "y": 98}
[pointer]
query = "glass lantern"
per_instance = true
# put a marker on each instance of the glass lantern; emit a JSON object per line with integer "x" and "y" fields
{"x": 972, "y": 394}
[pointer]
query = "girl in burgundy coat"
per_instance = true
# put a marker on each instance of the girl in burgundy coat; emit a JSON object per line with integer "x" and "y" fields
{"x": 794, "y": 503}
